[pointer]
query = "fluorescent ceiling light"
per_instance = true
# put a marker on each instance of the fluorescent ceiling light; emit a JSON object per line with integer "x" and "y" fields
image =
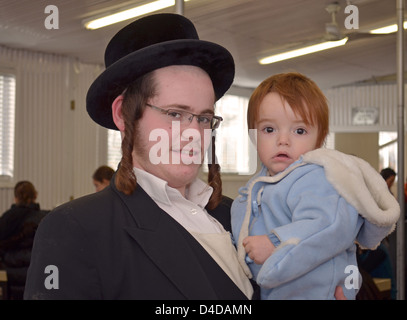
{"x": 388, "y": 29}
{"x": 303, "y": 51}
{"x": 96, "y": 23}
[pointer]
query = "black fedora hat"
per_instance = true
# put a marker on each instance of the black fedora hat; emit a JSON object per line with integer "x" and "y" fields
{"x": 150, "y": 43}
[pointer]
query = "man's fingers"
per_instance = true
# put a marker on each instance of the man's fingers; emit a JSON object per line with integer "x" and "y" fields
{"x": 245, "y": 241}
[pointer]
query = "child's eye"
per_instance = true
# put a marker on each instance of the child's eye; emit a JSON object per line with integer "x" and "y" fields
{"x": 268, "y": 130}
{"x": 300, "y": 131}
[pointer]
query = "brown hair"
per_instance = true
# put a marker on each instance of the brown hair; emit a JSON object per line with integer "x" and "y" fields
{"x": 214, "y": 180}
{"x": 103, "y": 173}
{"x": 135, "y": 98}
{"x": 301, "y": 93}
{"x": 25, "y": 193}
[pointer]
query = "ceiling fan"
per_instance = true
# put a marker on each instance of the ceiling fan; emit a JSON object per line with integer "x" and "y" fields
{"x": 332, "y": 30}
{"x": 332, "y": 37}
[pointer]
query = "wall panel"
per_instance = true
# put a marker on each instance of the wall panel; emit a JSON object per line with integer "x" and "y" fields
{"x": 382, "y": 96}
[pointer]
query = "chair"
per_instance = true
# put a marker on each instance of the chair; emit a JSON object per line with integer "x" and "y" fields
{"x": 3, "y": 285}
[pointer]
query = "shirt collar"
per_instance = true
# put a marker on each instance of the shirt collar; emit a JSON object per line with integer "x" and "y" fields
{"x": 158, "y": 189}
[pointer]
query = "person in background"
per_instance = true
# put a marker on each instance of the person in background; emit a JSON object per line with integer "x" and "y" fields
{"x": 389, "y": 175}
{"x": 378, "y": 262}
{"x": 17, "y": 229}
{"x": 297, "y": 220}
{"x": 101, "y": 177}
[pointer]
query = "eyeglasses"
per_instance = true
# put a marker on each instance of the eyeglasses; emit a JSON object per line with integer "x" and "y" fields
{"x": 205, "y": 121}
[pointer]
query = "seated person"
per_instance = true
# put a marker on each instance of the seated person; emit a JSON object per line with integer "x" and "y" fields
{"x": 378, "y": 264}
{"x": 17, "y": 230}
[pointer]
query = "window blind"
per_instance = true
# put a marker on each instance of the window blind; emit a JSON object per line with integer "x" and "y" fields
{"x": 7, "y": 112}
{"x": 114, "y": 150}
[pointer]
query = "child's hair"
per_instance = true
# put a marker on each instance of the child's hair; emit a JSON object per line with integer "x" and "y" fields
{"x": 301, "y": 93}
{"x": 25, "y": 193}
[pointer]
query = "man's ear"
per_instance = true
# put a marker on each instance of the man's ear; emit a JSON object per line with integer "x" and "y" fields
{"x": 117, "y": 113}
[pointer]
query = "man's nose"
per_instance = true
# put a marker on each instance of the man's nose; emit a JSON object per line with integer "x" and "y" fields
{"x": 192, "y": 132}
{"x": 193, "y": 123}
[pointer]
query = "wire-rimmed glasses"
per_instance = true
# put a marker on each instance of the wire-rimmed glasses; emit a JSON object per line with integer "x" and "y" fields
{"x": 205, "y": 121}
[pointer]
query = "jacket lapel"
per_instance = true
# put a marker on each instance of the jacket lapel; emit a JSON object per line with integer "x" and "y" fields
{"x": 169, "y": 245}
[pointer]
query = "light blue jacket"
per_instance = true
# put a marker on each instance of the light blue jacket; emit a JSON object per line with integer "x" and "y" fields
{"x": 312, "y": 226}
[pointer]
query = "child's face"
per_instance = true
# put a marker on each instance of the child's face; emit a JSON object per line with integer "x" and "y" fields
{"x": 282, "y": 136}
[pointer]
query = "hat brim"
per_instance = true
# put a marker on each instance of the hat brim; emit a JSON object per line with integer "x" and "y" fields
{"x": 212, "y": 58}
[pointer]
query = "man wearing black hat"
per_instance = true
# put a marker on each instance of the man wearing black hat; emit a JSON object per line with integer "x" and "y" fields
{"x": 154, "y": 233}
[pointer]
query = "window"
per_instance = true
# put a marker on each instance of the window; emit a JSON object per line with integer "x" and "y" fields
{"x": 236, "y": 154}
{"x": 114, "y": 150}
{"x": 330, "y": 141}
{"x": 7, "y": 111}
{"x": 388, "y": 150}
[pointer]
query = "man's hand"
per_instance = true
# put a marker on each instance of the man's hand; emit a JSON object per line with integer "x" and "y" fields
{"x": 339, "y": 295}
{"x": 258, "y": 248}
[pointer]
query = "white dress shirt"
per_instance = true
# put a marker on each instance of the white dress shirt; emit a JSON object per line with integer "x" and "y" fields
{"x": 190, "y": 212}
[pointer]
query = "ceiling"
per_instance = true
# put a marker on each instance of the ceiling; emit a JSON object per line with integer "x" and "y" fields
{"x": 249, "y": 29}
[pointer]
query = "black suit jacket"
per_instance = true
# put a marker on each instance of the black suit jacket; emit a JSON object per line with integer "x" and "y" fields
{"x": 111, "y": 246}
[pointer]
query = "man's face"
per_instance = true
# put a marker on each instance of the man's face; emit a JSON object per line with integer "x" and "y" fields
{"x": 174, "y": 151}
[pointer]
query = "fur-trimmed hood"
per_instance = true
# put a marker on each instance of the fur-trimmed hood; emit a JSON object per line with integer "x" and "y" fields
{"x": 360, "y": 184}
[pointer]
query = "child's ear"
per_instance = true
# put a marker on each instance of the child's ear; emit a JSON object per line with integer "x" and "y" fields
{"x": 117, "y": 113}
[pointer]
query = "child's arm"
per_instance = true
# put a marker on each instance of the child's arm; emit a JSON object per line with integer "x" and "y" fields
{"x": 322, "y": 226}
{"x": 259, "y": 248}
